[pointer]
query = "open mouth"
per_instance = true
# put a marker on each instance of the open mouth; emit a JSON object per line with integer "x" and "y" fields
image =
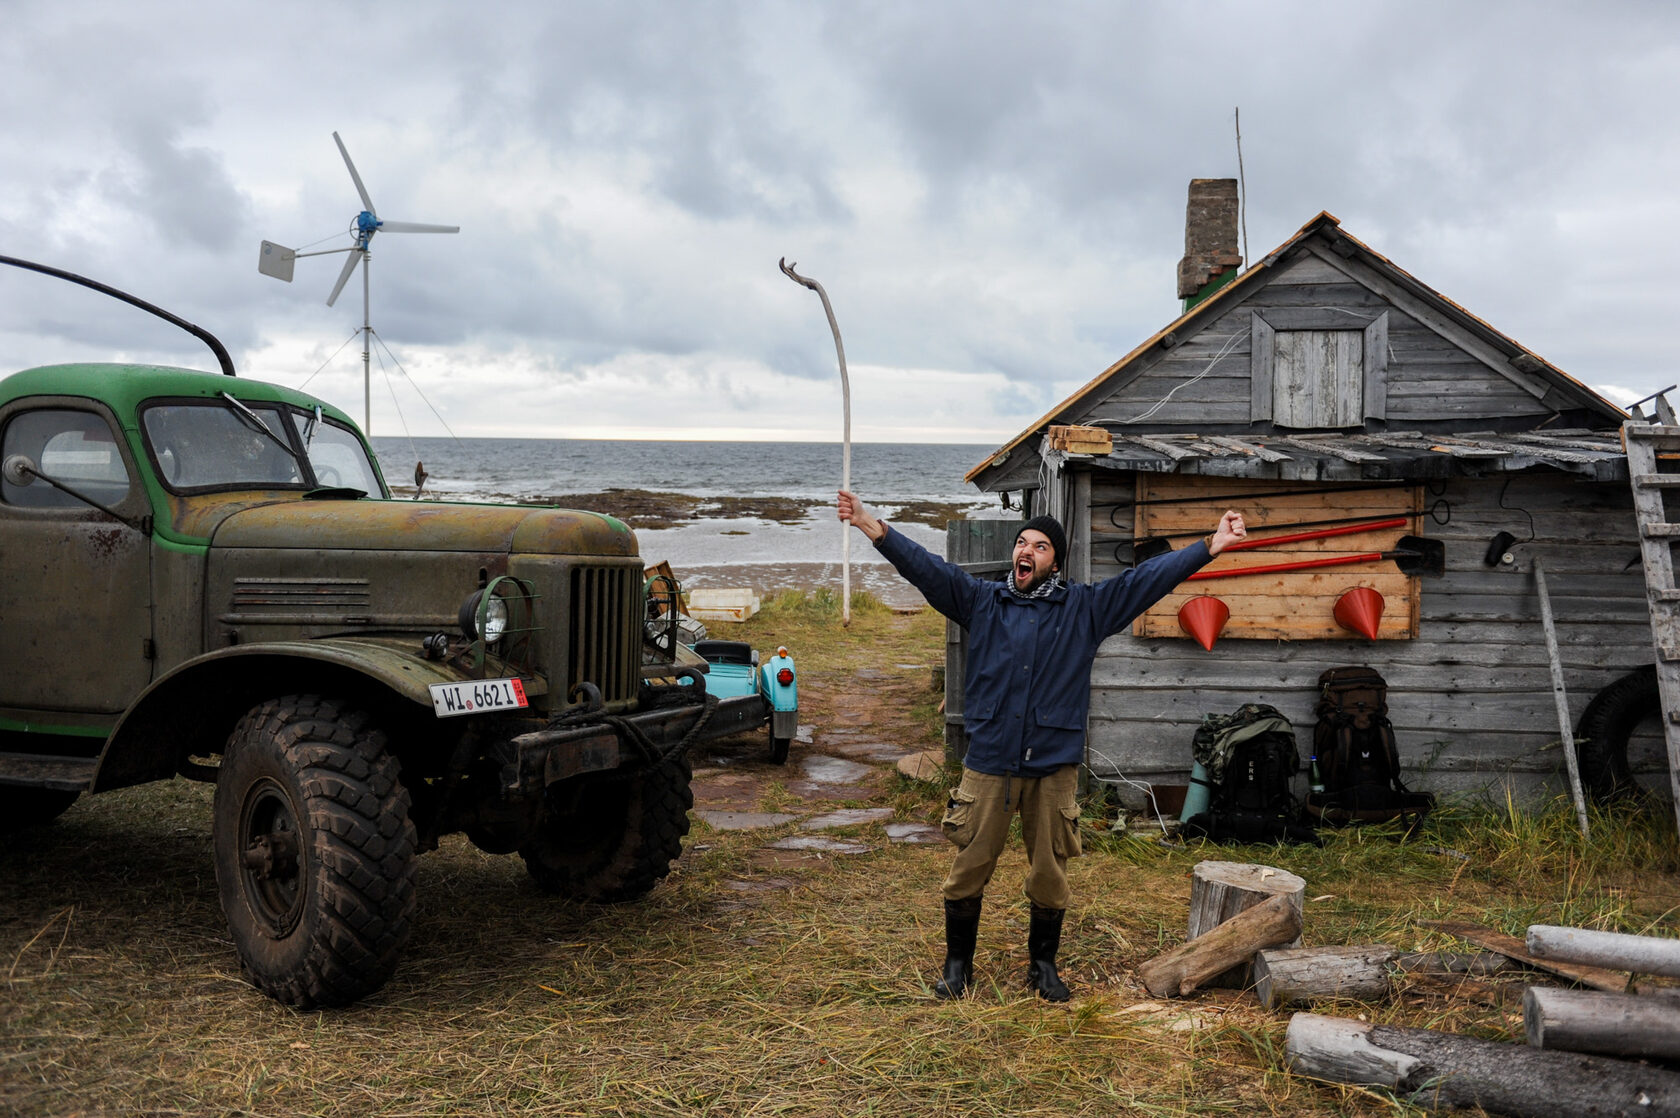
{"x": 1023, "y": 571}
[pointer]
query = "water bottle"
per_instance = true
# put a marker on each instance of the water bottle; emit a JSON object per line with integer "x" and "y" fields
{"x": 1196, "y": 796}
{"x": 1315, "y": 782}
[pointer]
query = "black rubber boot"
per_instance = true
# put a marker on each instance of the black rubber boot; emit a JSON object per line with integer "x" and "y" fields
{"x": 962, "y": 928}
{"x": 1044, "y": 939}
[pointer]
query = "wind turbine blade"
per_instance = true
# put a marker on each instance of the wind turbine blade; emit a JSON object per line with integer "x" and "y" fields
{"x": 344, "y": 276}
{"x": 367, "y": 203}
{"x": 415, "y": 227}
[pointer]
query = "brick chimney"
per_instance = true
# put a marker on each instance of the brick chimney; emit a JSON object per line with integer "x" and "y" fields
{"x": 1210, "y": 240}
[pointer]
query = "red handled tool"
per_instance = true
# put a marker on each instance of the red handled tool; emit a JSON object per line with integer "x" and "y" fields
{"x": 1414, "y": 556}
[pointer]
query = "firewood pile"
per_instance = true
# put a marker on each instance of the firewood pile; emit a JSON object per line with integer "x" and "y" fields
{"x": 1586, "y": 1049}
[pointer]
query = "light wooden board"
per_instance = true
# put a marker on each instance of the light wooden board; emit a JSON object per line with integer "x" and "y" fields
{"x": 1295, "y": 605}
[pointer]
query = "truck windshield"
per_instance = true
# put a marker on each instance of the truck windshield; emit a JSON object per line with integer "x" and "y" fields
{"x": 204, "y": 444}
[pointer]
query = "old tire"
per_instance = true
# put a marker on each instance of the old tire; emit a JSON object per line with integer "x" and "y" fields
{"x": 1605, "y": 727}
{"x": 314, "y": 851}
{"x": 23, "y": 808}
{"x": 610, "y": 837}
{"x": 779, "y": 749}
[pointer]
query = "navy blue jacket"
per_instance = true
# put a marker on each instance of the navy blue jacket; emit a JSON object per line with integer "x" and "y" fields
{"x": 1027, "y": 687}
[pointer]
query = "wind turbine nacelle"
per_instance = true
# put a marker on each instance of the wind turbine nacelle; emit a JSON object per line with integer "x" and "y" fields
{"x": 366, "y": 223}
{"x": 277, "y": 261}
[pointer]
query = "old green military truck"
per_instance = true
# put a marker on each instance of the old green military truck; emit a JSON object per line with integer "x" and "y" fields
{"x": 205, "y": 576}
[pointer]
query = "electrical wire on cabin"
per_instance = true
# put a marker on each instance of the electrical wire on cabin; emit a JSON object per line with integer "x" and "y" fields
{"x": 1162, "y": 402}
{"x": 1515, "y": 508}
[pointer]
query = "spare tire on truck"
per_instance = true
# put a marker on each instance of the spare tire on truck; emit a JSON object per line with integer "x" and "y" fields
{"x": 1605, "y": 729}
{"x": 610, "y": 837}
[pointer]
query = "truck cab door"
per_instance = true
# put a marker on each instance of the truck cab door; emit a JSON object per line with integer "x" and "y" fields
{"x": 75, "y": 583}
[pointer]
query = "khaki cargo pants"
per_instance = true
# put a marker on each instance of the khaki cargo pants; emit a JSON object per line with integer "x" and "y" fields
{"x": 977, "y": 820}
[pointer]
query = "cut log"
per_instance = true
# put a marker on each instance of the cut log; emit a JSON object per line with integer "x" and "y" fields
{"x": 1454, "y": 962}
{"x": 1271, "y": 923}
{"x": 1616, "y": 950}
{"x": 1611, "y": 1024}
{"x": 1220, "y": 890}
{"x": 1512, "y": 947}
{"x": 1436, "y": 1070}
{"x": 1290, "y": 975}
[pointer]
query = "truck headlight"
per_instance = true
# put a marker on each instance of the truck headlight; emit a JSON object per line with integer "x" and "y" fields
{"x": 494, "y": 613}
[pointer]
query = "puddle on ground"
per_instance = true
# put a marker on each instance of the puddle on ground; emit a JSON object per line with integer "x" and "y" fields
{"x": 833, "y": 770}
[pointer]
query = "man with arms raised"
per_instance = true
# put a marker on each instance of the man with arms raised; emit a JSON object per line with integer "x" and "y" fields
{"x": 1026, "y": 692}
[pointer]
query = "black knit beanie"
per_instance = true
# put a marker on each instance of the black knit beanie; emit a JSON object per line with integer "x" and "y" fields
{"x": 1052, "y": 528}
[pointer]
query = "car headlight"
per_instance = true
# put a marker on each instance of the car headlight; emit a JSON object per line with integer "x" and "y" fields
{"x": 494, "y": 614}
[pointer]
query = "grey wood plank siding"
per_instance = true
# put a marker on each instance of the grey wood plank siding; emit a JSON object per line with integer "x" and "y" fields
{"x": 1471, "y": 699}
{"x": 1220, "y": 378}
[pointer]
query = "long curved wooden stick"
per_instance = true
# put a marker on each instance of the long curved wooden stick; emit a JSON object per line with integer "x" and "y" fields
{"x": 846, "y": 444}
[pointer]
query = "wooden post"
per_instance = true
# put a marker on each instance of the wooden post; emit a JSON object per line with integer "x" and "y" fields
{"x": 1561, "y": 697}
{"x": 1220, "y": 890}
{"x": 1613, "y": 950}
{"x": 1623, "y": 1025}
{"x": 1434, "y": 1069}
{"x": 1284, "y": 976}
{"x": 1177, "y": 972}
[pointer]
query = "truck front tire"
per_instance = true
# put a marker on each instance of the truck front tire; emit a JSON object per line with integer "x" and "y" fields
{"x": 314, "y": 851}
{"x": 612, "y": 836}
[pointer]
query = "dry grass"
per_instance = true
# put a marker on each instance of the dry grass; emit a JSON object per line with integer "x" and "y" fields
{"x": 744, "y": 985}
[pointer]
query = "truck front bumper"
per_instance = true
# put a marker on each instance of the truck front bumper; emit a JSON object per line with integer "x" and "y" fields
{"x": 546, "y": 756}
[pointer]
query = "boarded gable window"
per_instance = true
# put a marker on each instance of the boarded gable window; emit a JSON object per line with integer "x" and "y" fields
{"x": 1317, "y": 378}
{"x": 1311, "y": 371}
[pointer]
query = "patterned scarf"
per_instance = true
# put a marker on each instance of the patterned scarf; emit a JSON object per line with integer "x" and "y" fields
{"x": 1042, "y": 590}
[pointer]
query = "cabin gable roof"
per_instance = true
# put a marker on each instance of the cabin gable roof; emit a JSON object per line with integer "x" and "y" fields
{"x": 1324, "y": 337}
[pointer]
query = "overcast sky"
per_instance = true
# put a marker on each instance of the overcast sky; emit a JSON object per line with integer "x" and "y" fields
{"x": 992, "y": 193}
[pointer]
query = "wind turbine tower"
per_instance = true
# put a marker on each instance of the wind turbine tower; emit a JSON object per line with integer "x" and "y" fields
{"x": 277, "y": 261}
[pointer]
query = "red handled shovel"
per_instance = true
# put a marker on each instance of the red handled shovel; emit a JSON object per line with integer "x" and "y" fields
{"x": 1414, "y": 556}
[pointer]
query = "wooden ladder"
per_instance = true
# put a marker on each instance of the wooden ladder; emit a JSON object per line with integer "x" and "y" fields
{"x": 1653, "y": 452}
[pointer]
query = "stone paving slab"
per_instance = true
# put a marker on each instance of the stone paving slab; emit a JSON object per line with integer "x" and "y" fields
{"x": 744, "y": 820}
{"x": 847, "y": 817}
{"x": 818, "y": 843}
{"x": 919, "y": 834}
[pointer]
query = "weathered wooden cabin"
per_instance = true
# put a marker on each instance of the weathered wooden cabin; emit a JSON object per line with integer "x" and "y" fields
{"x": 1324, "y": 383}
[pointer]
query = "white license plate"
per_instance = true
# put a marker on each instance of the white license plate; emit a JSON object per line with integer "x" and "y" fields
{"x": 477, "y": 696}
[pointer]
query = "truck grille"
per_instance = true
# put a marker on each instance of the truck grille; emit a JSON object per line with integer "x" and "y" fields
{"x": 606, "y": 630}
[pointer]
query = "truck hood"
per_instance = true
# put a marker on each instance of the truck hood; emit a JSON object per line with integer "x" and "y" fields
{"x": 425, "y": 526}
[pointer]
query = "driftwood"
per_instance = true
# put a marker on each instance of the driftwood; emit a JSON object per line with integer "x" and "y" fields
{"x": 1179, "y": 971}
{"x": 1220, "y": 890}
{"x": 1286, "y": 976}
{"x": 1512, "y": 947}
{"x": 1640, "y": 954}
{"x": 1434, "y": 1069}
{"x": 1610, "y": 1024}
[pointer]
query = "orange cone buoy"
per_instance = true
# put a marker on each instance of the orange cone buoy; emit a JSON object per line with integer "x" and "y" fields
{"x": 1204, "y": 617}
{"x": 1361, "y": 610}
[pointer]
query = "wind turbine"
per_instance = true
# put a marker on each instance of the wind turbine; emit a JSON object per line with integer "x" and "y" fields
{"x": 277, "y": 261}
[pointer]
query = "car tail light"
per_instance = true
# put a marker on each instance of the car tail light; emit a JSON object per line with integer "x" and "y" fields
{"x": 785, "y": 676}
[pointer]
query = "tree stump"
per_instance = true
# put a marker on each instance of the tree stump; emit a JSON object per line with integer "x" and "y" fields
{"x": 1220, "y": 890}
{"x": 1285, "y": 976}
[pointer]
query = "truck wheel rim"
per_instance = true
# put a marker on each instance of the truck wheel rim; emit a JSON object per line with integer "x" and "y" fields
{"x": 271, "y": 858}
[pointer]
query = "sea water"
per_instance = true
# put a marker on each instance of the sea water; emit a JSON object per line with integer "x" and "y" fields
{"x": 887, "y": 476}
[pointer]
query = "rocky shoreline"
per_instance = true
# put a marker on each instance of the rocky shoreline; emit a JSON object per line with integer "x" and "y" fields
{"x": 650, "y": 509}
